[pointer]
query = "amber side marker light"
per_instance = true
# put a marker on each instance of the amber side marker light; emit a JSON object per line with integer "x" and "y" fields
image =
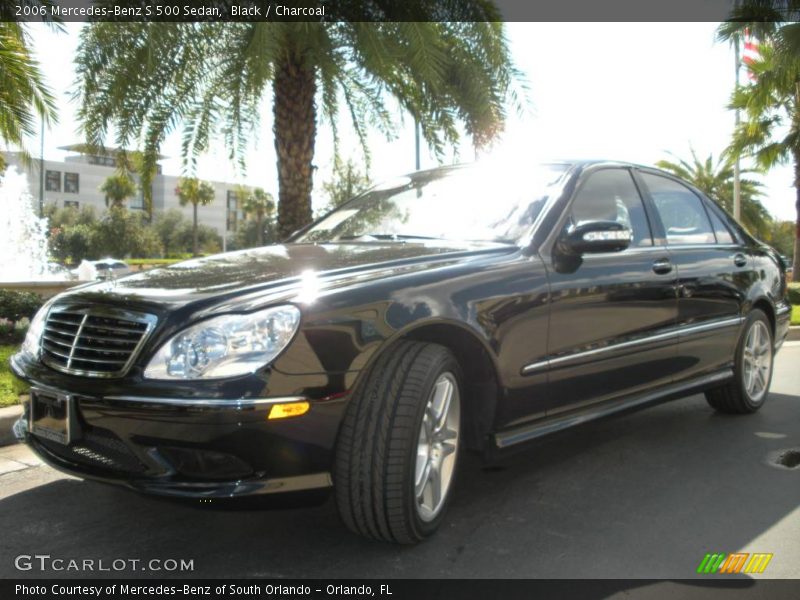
{"x": 290, "y": 409}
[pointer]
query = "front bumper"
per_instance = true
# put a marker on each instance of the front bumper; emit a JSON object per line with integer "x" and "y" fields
{"x": 191, "y": 447}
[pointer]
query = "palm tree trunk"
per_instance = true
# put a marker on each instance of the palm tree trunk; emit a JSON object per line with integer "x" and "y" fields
{"x": 295, "y": 128}
{"x": 147, "y": 196}
{"x": 796, "y": 259}
{"x": 194, "y": 230}
{"x": 260, "y": 228}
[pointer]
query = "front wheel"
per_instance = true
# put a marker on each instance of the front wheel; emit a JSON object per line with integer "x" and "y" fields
{"x": 752, "y": 369}
{"x": 397, "y": 450}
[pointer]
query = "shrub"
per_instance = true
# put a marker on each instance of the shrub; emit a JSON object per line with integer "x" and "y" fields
{"x": 15, "y": 306}
{"x": 13, "y": 333}
{"x": 10, "y": 386}
{"x": 794, "y": 293}
{"x": 122, "y": 233}
{"x": 71, "y": 244}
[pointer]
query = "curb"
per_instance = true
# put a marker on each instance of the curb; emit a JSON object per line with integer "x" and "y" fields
{"x": 794, "y": 334}
{"x": 8, "y": 416}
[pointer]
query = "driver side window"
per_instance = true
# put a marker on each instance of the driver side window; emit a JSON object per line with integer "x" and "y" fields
{"x": 611, "y": 195}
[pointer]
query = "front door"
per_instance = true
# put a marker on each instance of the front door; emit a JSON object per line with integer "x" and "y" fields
{"x": 613, "y": 314}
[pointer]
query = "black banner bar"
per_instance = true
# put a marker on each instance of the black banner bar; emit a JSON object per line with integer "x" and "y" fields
{"x": 395, "y": 589}
{"x": 364, "y": 10}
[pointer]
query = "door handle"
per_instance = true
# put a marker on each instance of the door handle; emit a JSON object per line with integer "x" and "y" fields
{"x": 740, "y": 260}
{"x": 662, "y": 266}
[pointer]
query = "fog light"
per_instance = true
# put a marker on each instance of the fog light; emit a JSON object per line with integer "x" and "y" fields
{"x": 205, "y": 464}
{"x": 290, "y": 409}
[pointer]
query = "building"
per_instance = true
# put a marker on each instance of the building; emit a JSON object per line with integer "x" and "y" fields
{"x": 76, "y": 181}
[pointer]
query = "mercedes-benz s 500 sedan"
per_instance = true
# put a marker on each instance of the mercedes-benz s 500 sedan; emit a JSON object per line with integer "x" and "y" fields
{"x": 452, "y": 309}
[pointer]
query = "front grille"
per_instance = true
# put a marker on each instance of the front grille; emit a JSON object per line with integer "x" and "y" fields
{"x": 94, "y": 342}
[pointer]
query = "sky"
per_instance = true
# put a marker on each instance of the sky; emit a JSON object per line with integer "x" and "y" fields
{"x": 620, "y": 91}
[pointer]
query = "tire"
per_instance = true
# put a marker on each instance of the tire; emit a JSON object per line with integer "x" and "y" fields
{"x": 388, "y": 438}
{"x": 749, "y": 389}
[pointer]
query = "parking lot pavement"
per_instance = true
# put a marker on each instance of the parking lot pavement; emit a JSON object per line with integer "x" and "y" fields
{"x": 646, "y": 495}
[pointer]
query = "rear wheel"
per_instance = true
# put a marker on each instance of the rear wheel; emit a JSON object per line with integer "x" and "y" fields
{"x": 752, "y": 369}
{"x": 398, "y": 447}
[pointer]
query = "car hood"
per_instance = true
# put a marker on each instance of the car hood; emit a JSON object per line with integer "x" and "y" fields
{"x": 280, "y": 272}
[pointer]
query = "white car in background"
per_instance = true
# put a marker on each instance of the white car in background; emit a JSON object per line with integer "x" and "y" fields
{"x": 105, "y": 268}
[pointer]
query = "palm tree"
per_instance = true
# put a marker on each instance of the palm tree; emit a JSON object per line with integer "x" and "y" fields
{"x": 147, "y": 78}
{"x": 347, "y": 182}
{"x": 258, "y": 204}
{"x": 192, "y": 191}
{"x": 23, "y": 93}
{"x": 715, "y": 179}
{"x": 770, "y": 132}
{"x": 133, "y": 163}
{"x": 118, "y": 188}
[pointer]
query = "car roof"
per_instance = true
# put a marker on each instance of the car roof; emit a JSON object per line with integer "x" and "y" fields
{"x": 569, "y": 163}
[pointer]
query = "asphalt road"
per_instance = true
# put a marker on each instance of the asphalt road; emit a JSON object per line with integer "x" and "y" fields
{"x": 640, "y": 496}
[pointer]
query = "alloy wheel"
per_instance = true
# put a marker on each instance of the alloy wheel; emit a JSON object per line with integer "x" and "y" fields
{"x": 437, "y": 447}
{"x": 757, "y": 361}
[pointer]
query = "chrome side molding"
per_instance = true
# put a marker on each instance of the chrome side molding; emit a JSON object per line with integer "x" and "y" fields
{"x": 206, "y": 402}
{"x": 667, "y": 335}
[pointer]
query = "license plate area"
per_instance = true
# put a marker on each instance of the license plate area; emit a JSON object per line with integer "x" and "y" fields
{"x": 52, "y": 415}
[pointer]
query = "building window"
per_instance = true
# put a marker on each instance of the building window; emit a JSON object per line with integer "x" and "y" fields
{"x": 71, "y": 183}
{"x": 233, "y": 211}
{"x": 52, "y": 181}
{"x": 72, "y": 204}
{"x": 137, "y": 201}
{"x": 105, "y": 161}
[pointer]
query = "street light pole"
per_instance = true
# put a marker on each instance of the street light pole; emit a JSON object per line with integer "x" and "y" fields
{"x": 41, "y": 171}
{"x": 416, "y": 144}
{"x": 737, "y": 184}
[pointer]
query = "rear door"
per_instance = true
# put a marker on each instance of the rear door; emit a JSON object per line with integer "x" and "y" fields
{"x": 612, "y": 314}
{"x": 713, "y": 270}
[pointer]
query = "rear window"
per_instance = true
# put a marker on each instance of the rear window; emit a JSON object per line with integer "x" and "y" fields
{"x": 681, "y": 210}
{"x": 720, "y": 230}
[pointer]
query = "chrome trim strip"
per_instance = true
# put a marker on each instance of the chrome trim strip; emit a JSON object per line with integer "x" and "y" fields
{"x": 75, "y": 339}
{"x": 782, "y": 310}
{"x": 528, "y": 369}
{"x": 677, "y": 334}
{"x": 710, "y": 326}
{"x": 206, "y": 402}
{"x": 185, "y": 402}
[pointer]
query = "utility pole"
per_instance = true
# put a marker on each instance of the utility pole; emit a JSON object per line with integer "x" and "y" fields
{"x": 416, "y": 144}
{"x": 737, "y": 185}
{"x": 41, "y": 172}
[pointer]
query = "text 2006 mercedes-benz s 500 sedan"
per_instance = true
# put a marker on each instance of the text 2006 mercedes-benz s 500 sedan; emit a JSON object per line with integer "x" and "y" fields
{"x": 452, "y": 309}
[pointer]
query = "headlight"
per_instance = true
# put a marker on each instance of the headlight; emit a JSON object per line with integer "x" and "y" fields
{"x": 225, "y": 346}
{"x": 33, "y": 339}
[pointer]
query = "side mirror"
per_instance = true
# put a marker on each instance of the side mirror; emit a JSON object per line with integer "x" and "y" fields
{"x": 596, "y": 236}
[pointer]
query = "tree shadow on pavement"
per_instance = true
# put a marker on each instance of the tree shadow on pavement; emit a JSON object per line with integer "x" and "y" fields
{"x": 641, "y": 496}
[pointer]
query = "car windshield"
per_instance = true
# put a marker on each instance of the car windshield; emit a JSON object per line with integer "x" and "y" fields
{"x": 473, "y": 204}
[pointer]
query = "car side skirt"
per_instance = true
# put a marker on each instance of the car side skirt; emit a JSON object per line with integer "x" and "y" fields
{"x": 531, "y": 431}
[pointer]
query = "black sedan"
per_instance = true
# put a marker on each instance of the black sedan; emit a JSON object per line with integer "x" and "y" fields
{"x": 453, "y": 309}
